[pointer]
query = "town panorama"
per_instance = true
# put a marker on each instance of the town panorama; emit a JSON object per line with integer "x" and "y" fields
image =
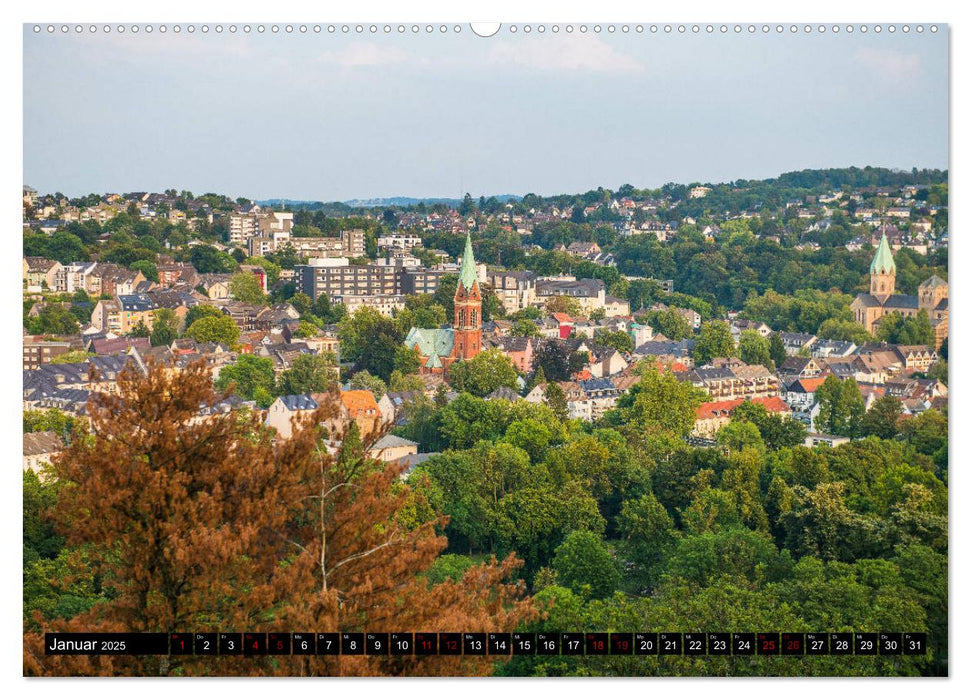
{"x": 695, "y": 407}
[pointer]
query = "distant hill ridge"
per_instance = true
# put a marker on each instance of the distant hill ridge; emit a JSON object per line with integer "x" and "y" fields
{"x": 374, "y": 202}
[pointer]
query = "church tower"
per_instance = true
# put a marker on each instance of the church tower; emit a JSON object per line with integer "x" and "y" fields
{"x": 467, "y": 327}
{"x": 883, "y": 272}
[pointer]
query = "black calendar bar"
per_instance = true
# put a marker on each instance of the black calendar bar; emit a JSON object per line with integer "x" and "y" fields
{"x": 105, "y": 643}
{"x": 419, "y": 644}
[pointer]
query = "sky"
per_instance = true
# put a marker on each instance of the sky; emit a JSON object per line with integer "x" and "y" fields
{"x": 336, "y": 117}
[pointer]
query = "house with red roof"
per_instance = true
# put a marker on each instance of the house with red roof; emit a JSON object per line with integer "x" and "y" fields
{"x": 712, "y": 416}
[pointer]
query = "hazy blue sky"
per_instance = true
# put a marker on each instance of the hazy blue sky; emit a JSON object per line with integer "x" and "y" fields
{"x": 333, "y": 117}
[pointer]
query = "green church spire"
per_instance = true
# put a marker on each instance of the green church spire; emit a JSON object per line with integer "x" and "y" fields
{"x": 468, "y": 275}
{"x": 883, "y": 263}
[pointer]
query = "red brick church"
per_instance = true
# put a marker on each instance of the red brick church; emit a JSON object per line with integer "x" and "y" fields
{"x": 440, "y": 347}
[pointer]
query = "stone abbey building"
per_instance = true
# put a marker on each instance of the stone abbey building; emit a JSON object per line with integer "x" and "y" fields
{"x": 931, "y": 297}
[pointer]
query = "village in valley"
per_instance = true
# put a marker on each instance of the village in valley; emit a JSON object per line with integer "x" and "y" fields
{"x": 533, "y": 300}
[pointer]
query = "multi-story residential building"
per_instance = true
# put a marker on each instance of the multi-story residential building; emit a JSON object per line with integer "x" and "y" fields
{"x": 111, "y": 279}
{"x": 242, "y": 227}
{"x": 347, "y": 280}
{"x": 736, "y": 382}
{"x": 40, "y": 273}
{"x": 326, "y": 247}
{"x": 387, "y": 304}
{"x": 615, "y": 306}
{"x": 170, "y": 273}
{"x": 350, "y": 243}
{"x": 590, "y": 293}
{"x": 245, "y": 316}
{"x": 123, "y": 313}
{"x": 398, "y": 258}
{"x": 73, "y": 277}
{"x": 420, "y": 280}
{"x": 40, "y": 449}
{"x": 399, "y": 241}
{"x": 38, "y": 350}
{"x": 712, "y": 416}
{"x": 916, "y": 358}
{"x": 353, "y": 242}
{"x": 601, "y": 394}
{"x": 516, "y": 289}
{"x": 274, "y": 222}
{"x": 796, "y": 342}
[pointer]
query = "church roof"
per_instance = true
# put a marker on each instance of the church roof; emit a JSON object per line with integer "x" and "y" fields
{"x": 901, "y": 301}
{"x": 467, "y": 275}
{"x": 883, "y": 261}
{"x": 894, "y": 301}
{"x": 932, "y": 282}
{"x": 431, "y": 342}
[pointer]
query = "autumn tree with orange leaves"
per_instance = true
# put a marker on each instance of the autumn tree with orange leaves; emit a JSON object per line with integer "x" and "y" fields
{"x": 204, "y": 521}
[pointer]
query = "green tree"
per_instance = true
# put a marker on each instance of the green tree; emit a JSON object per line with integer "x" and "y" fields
{"x": 585, "y": 564}
{"x": 841, "y": 406}
{"x": 307, "y": 374}
{"x": 554, "y": 397}
{"x": 619, "y": 340}
{"x": 648, "y": 535}
{"x": 246, "y": 287}
{"x": 777, "y": 349}
{"x": 484, "y": 373}
{"x": 839, "y": 329}
{"x": 553, "y": 356}
{"x": 927, "y": 432}
{"x": 670, "y": 324}
{"x": 303, "y": 303}
{"x": 444, "y": 294}
{"x": 141, "y": 330}
{"x": 468, "y": 419}
{"x": 564, "y": 305}
{"x": 531, "y": 436}
{"x": 701, "y": 559}
{"x": 909, "y": 330}
{"x": 407, "y": 361}
{"x": 147, "y": 268}
{"x": 525, "y": 327}
{"x": 53, "y": 319}
{"x": 306, "y": 330}
{"x": 819, "y": 524}
{"x": 448, "y": 567}
{"x": 165, "y": 326}
{"x": 206, "y": 259}
{"x": 883, "y": 418}
{"x": 248, "y": 374}
{"x": 754, "y": 349}
{"x": 71, "y": 357}
{"x": 65, "y": 247}
{"x": 201, "y": 311}
{"x": 660, "y": 400}
{"x": 366, "y": 380}
{"x": 271, "y": 269}
{"x": 40, "y": 539}
{"x": 738, "y": 435}
{"x": 214, "y": 329}
{"x": 776, "y": 430}
{"x": 372, "y": 341}
{"x": 714, "y": 340}
{"x": 51, "y": 419}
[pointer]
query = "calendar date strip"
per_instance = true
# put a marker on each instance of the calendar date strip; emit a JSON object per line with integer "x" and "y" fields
{"x": 497, "y": 644}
